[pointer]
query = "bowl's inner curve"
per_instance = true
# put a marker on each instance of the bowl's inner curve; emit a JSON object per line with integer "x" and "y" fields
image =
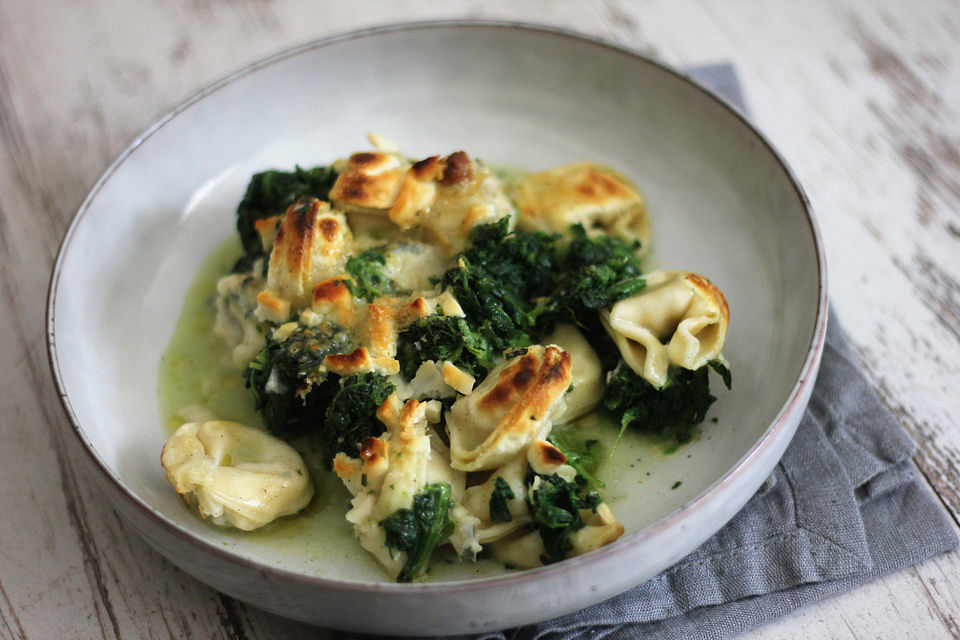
{"x": 719, "y": 205}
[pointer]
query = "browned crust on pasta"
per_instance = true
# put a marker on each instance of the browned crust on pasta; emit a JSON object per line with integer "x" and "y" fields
{"x": 709, "y": 289}
{"x": 367, "y": 182}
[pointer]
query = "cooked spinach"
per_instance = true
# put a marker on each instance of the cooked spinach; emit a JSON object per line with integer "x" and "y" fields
{"x": 420, "y": 530}
{"x": 594, "y": 273}
{"x": 515, "y": 287}
{"x": 583, "y": 456}
{"x": 672, "y": 411}
{"x": 290, "y": 387}
{"x": 555, "y": 506}
{"x": 500, "y": 500}
{"x": 498, "y": 278}
{"x": 367, "y": 278}
{"x": 351, "y": 415}
{"x": 440, "y": 338}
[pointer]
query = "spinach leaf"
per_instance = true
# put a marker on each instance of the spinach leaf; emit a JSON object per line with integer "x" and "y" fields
{"x": 290, "y": 388}
{"x": 555, "y": 506}
{"x": 351, "y": 415}
{"x": 583, "y": 456}
{"x": 420, "y": 530}
{"x": 497, "y": 279}
{"x": 594, "y": 273}
{"x": 444, "y": 338}
{"x": 367, "y": 278}
{"x": 672, "y": 411}
{"x": 499, "y": 501}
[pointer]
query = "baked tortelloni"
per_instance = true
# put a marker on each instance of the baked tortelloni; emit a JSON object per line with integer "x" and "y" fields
{"x": 602, "y": 200}
{"x": 679, "y": 320}
{"x": 434, "y": 333}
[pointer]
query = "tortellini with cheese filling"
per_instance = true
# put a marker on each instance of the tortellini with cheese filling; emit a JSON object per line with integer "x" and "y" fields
{"x": 576, "y": 522}
{"x": 492, "y": 525}
{"x": 586, "y": 383}
{"x": 679, "y": 319}
{"x": 512, "y": 407}
{"x": 445, "y": 197}
{"x": 236, "y": 475}
{"x": 391, "y": 470}
{"x": 599, "y": 198}
{"x": 312, "y": 243}
{"x": 527, "y": 551}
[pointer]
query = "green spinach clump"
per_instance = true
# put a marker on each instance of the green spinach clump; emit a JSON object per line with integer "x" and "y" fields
{"x": 444, "y": 338}
{"x": 294, "y": 392}
{"x": 290, "y": 386}
{"x": 367, "y": 278}
{"x": 515, "y": 287}
{"x": 594, "y": 273}
{"x": 498, "y": 278}
{"x": 500, "y": 500}
{"x": 583, "y": 456}
{"x": 672, "y": 411}
{"x": 555, "y": 506}
{"x": 351, "y": 416}
{"x": 269, "y": 193}
{"x": 420, "y": 530}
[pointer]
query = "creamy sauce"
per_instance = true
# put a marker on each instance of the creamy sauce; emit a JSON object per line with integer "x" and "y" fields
{"x": 197, "y": 376}
{"x": 196, "y": 369}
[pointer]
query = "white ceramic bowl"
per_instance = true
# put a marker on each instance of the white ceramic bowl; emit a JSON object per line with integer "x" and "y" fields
{"x": 722, "y": 202}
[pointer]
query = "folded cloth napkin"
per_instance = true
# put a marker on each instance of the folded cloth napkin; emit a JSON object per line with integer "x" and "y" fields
{"x": 844, "y": 506}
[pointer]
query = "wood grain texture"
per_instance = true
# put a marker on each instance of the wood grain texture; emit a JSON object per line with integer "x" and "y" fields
{"x": 861, "y": 97}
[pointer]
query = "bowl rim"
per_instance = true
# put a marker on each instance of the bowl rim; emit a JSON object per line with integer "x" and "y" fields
{"x": 768, "y": 438}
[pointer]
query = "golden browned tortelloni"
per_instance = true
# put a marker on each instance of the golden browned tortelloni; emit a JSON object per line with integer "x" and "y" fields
{"x": 679, "y": 319}
{"x": 599, "y": 198}
{"x": 511, "y": 408}
{"x": 313, "y": 243}
{"x": 368, "y": 182}
{"x": 443, "y": 196}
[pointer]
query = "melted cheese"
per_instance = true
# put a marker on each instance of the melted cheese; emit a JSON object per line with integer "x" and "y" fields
{"x": 312, "y": 244}
{"x": 443, "y": 197}
{"x": 413, "y": 265}
{"x": 236, "y": 322}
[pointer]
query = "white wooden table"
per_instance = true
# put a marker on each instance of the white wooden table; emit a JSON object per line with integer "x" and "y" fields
{"x": 863, "y": 99}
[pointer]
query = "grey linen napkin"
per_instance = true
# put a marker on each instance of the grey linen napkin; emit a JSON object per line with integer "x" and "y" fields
{"x": 844, "y": 506}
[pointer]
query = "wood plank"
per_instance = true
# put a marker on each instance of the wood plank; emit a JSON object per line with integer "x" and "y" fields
{"x": 864, "y": 109}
